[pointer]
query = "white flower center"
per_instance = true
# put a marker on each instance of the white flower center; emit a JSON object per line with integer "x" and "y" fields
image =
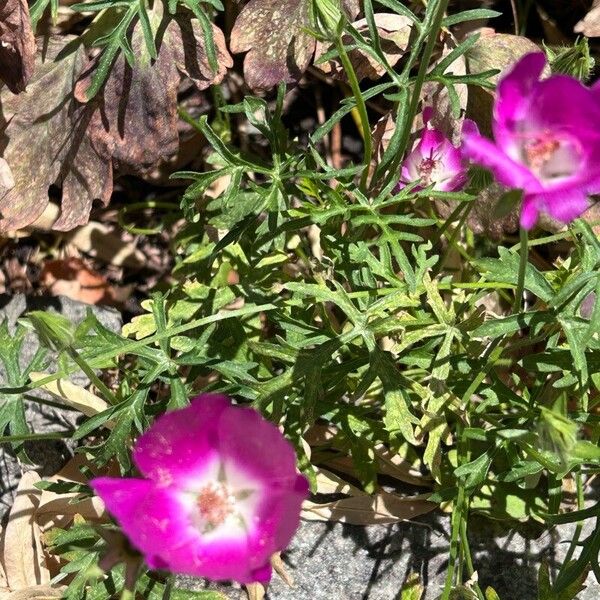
{"x": 551, "y": 156}
{"x": 222, "y": 502}
{"x": 215, "y": 504}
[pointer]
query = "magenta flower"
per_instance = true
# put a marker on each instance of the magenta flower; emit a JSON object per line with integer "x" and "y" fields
{"x": 547, "y": 141}
{"x": 434, "y": 160}
{"x": 221, "y": 493}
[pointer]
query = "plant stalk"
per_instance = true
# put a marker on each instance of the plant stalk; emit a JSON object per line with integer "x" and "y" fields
{"x": 524, "y": 257}
{"x": 362, "y": 111}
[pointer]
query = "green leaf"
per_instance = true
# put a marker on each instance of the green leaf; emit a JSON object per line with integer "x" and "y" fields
{"x": 398, "y": 418}
{"x": 506, "y": 269}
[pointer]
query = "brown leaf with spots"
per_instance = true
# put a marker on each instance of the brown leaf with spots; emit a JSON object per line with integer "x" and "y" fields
{"x": 17, "y": 45}
{"x": 273, "y": 32}
{"x": 394, "y": 33}
{"x": 135, "y": 118}
{"x": 44, "y": 143}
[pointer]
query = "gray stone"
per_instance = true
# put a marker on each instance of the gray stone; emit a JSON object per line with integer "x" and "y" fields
{"x": 335, "y": 561}
{"x": 47, "y": 456}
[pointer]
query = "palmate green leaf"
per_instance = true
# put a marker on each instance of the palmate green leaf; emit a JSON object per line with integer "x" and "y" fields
{"x": 506, "y": 268}
{"x": 398, "y": 418}
{"x": 535, "y": 320}
{"x": 521, "y": 470}
{"x": 507, "y": 501}
{"x": 12, "y": 410}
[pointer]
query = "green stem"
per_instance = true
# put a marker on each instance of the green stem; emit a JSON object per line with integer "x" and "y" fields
{"x": 127, "y": 594}
{"x": 524, "y": 257}
{"x": 579, "y": 527}
{"x": 453, "y": 557}
{"x": 35, "y": 437}
{"x": 100, "y": 385}
{"x": 362, "y": 111}
{"x": 468, "y": 559}
{"x": 433, "y": 25}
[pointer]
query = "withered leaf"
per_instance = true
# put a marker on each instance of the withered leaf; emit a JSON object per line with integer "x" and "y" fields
{"x": 590, "y": 24}
{"x": 135, "y": 118}
{"x": 17, "y": 45}
{"x": 21, "y": 550}
{"x": 44, "y": 141}
{"x": 394, "y": 33}
{"x": 384, "y": 507}
{"x": 274, "y": 33}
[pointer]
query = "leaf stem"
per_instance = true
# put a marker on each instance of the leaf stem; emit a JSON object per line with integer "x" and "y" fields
{"x": 362, "y": 111}
{"x": 91, "y": 375}
{"x": 524, "y": 256}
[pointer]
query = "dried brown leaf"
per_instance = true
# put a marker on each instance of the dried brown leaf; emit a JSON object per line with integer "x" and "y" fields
{"x": 384, "y": 507}
{"x": 72, "y": 278}
{"x": 72, "y": 395}
{"x": 45, "y": 143}
{"x": 21, "y": 552}
{"x": 590, "y": 24}
{"x": 273, "y": 32}
{"x": 17, "y": 45}
{"x": 281, "y": 570}
{"x": 394, "y": 32}
{"x": 37, "y": 592}
{"x": 329, "y": 483}
{"x": 99, "y": 240}
{"x": 255, "y": 591}
{"x": 59, "y": 510}
{"x": 135, "y": 118}
{"x": 397, "y": 466}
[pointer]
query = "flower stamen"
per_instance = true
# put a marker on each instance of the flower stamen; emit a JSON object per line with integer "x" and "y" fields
{"x": 540, "y": 151}
{"x": 215, "y": 504}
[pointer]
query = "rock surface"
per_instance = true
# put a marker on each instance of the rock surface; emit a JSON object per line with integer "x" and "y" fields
{"x": 334, "y": 561}
{"x": 47, "y": 456}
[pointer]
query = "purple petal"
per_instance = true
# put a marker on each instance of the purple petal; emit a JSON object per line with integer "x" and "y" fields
{"x": 529, "y": 212}
{"x": 279, "y": 516}
{"x": 427, "y": 114}
{"x": 221, "y": 560}
{"x": 564, "y": 205}
{"x": 513, "y": 97}
{"x": 182, "y": 444}
{"x": 562, "y": 103}
{"x": 484, "y": 152}
{"x": 430, "y": 142}
{"x": 256, "y": 447}
{"x": 153, "y": 518}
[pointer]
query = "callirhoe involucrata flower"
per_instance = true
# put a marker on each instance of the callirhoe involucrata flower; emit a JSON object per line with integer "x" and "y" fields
{"x": 221, "y": 492}
{"x": 434, "y": 161}
{"x": 547, "y": 140}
